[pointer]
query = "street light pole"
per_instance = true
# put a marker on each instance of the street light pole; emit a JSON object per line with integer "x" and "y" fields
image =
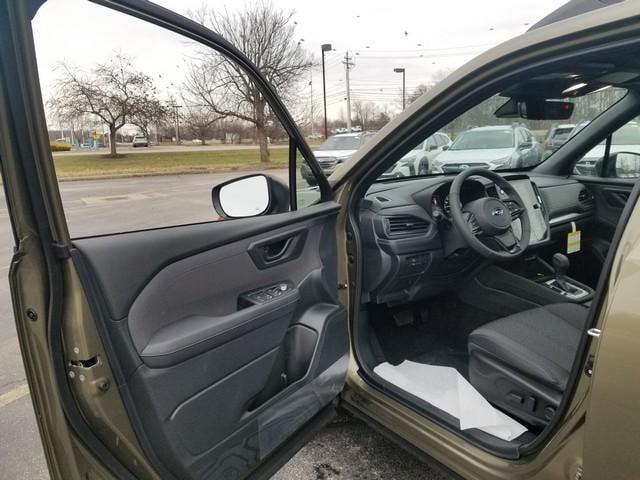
{"x": 325, "y": 48}
{"x": 402, "y": 71}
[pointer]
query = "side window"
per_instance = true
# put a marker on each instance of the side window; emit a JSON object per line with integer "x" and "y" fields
{"x": 307, "y": 191}
{"x": 431, "y": 143}
{"x": 147, "y": 132}
{"x": 623, "y": 159}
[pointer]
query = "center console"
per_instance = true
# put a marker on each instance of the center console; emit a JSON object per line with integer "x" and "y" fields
{"x": 504, "y": 292}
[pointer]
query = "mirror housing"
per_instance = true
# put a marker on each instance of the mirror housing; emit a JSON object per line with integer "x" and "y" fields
{"x": 534, "y": 108}
{"x": 625, "y": 164}
{"x": 250, "y": 196}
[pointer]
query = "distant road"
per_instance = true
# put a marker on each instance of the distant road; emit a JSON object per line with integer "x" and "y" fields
{"x": 164, "y": 148}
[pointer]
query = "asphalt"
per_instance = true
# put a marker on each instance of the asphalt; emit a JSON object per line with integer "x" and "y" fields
{"x": 346, "y": 449}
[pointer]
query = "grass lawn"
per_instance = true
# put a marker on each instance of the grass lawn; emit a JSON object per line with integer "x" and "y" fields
{"x": 148, "y": 163}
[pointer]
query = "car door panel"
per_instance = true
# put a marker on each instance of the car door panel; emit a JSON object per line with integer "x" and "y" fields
{"x": 610, "y": 195}
{"x": 216, "y": 383}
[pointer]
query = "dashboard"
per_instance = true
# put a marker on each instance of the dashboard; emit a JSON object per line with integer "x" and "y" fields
{"x": 414, "y": 251}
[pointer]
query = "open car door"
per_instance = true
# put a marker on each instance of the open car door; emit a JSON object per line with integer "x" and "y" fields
{"x": 208, "y": 350}
{"x": 611, "y": 415}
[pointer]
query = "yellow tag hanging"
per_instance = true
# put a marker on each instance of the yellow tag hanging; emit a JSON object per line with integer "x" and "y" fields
{"x": 573, "y": 239}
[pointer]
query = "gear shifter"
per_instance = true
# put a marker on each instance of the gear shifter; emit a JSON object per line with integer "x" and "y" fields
{"x": 561, "y": 267}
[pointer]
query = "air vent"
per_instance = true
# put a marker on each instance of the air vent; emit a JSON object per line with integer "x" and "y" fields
{"x": 585, "y": 198}
{"x": 406, "y": 225}
{"x": 382, "y": 199}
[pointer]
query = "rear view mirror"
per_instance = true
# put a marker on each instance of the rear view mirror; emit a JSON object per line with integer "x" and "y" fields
{"x": 626, "y": 164}
{"x": 250, "y": 196}
{"x": 532, "y": 108}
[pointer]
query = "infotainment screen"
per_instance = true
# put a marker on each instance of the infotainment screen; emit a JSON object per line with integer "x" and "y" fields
{"x": 532, "y": 205}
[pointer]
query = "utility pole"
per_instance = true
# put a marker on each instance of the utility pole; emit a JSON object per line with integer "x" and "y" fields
{"x": 311, "y": 88}
{"x": 348, "y": 66}
{"x": 325, "y": 47}
{"x": 177, "y": 118}
{"x": 402, "y": 71}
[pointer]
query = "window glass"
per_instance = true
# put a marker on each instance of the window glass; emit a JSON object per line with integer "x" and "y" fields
{"x": 479, "y": 138}
{"x": 307, "y": 191}
{"x": 147, "y": 132}
{"x": 624, "y": 154}
{"x": 431, "y": 142}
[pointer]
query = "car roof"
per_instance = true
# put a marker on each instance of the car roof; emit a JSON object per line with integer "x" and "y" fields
{"x": 495, "y": 127}
{"x": 353, "y": 134}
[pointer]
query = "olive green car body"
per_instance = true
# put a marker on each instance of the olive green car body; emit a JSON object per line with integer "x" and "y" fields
{"x": 596, "y": 435}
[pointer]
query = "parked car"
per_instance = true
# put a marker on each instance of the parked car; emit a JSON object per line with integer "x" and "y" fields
{"x": 484, "y": 319}
{"x": 625, "y": 139}
{"x": 140, "y": 141}
{"x": 335, "y": 151}
{"x": 557, "y": 135}
{"x": 418, "y": 161}
{"x": 491, "y": 147}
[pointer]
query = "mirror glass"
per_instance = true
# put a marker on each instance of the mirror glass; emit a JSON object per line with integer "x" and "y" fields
{"x": 245, "y": 197}
{"x": 627, "y": 165}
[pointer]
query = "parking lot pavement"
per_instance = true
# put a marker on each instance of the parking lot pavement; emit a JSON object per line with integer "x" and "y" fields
{"x": 343, "y": 450}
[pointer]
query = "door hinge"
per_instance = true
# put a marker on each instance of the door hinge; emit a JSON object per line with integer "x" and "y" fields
{"x": 588, "y": 366}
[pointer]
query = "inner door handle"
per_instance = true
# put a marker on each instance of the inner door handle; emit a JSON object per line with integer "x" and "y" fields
{"x": 278, "y": 249}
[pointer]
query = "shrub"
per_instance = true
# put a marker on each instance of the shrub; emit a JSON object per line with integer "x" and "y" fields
{"x": 60, "y": 146}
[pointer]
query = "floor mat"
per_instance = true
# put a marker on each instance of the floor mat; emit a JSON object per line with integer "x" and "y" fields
{"x": 446, "y": 357}
{"x": 447, "y": 390}
{"x": 438, "y": 337}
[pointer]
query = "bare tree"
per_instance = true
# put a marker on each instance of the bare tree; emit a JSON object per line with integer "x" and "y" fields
{"x": 267, "y": 36}
{"x": 199, "y": 121}
{"x": 417, "y": 92}
{"x": 436, "y": 78}
{"x": 113, "y": 91}
{"x": 150, "y": 112}
{"x": 365, "y": 112}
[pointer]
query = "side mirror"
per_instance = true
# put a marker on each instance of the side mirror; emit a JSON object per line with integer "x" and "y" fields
{"x": 250, "y": 196}
{"x": 525, "y": 146}
{"x": 626, "y": 164}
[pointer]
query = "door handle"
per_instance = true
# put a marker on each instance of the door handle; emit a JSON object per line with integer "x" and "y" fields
{"x": 277, "y": 250}
{"x": 272, "y": 251}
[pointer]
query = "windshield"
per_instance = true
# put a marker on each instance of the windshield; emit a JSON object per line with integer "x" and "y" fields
{"x": 338, "y": 142}
{"x": 418, "y": 147}
{"x": 483, "y": 139}
{"x": 562, "y": 132}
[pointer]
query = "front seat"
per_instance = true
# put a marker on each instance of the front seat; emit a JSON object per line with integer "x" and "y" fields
{"x": 521, "y": 363}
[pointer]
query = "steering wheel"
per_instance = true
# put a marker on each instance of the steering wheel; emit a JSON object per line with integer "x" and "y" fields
{"x": 490, "y": 218}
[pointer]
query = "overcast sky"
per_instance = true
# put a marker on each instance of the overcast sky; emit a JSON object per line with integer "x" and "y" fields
{"x": 424, "y": 37}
